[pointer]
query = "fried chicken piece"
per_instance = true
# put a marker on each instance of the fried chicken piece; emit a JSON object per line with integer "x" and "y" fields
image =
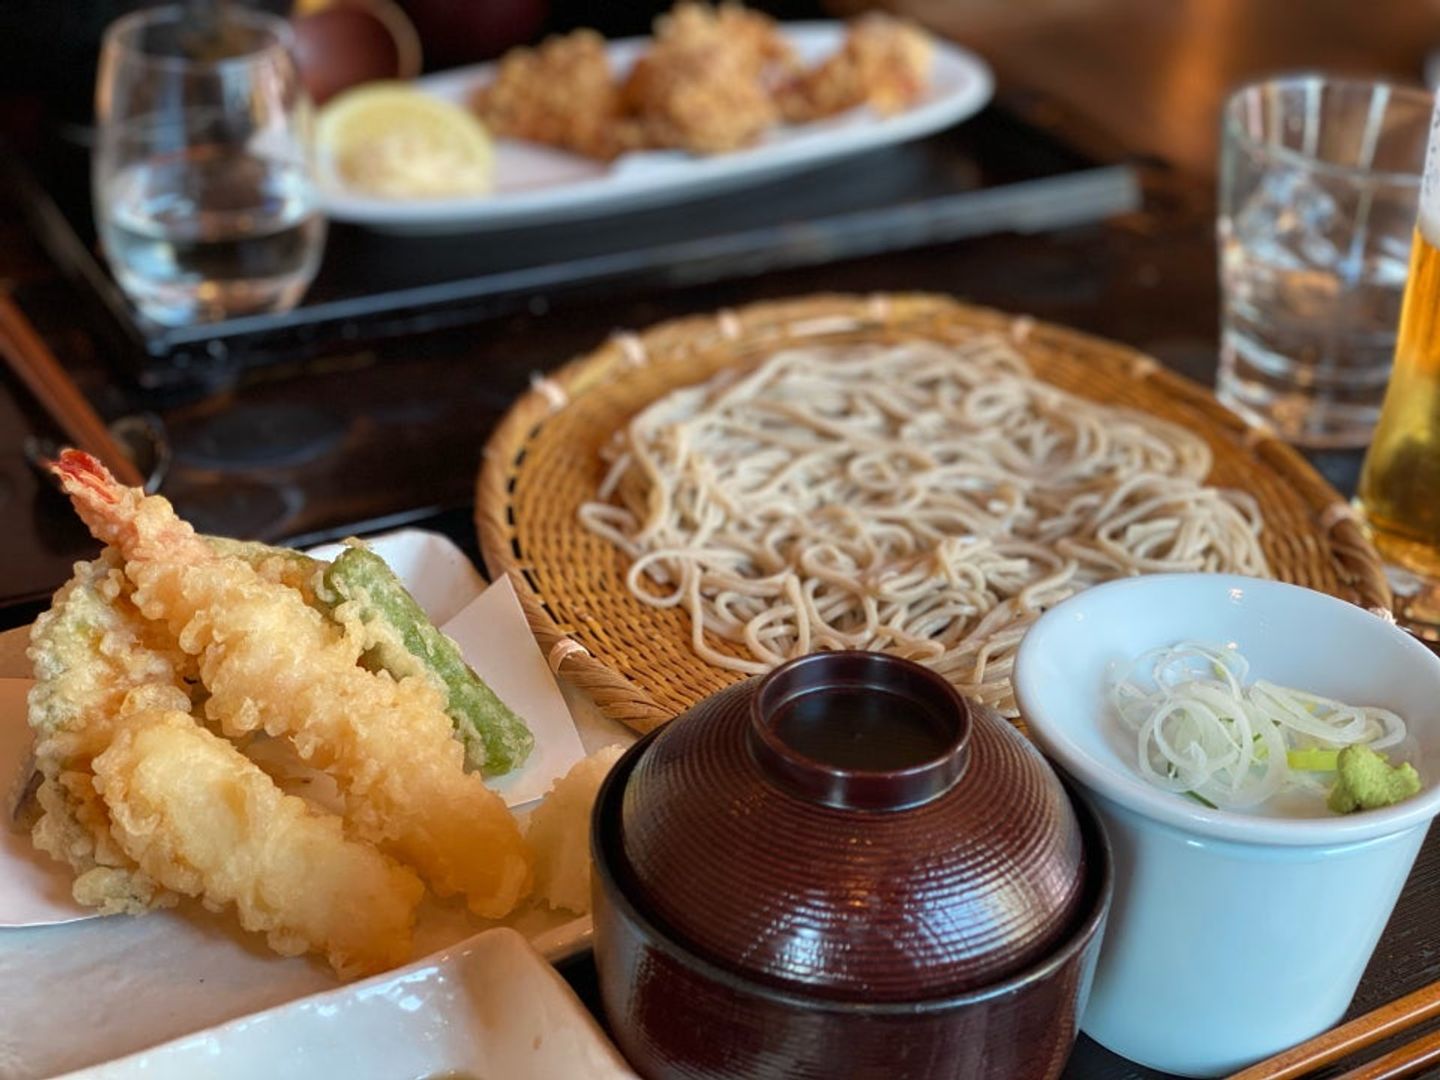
{"x": 94, "y": 657}
{"x": 702, "y": 87}
{"x": 715, "y": 79}
{"x": 752, "y": 36}
{"x": 202, "y": 819}
{"x": 562, "y": 94}
{"x": 884, "y": 63}
{"x": 271, "y": 662}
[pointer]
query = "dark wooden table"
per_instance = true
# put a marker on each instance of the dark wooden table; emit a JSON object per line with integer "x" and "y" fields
{"x": 396, "y": 428}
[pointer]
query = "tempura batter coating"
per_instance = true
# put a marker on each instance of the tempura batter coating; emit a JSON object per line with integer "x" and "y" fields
{"x": 270, "y": 661}
{"x": 371, "y": 603}
{"x": 559, "y": 832}
{"x": 278, "y": 565}
{"x": 202, "y": 819}
{"x": 94, "y": 657}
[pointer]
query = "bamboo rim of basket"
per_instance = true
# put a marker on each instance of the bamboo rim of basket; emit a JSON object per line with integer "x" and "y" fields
{"x": 1333, "y": 553}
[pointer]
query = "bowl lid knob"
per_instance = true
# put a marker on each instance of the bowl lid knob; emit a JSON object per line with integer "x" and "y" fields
{"x": 856, "y": 732}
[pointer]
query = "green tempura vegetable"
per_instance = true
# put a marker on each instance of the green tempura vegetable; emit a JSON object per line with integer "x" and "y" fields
{"x": 405, "y": 642}
{"x": 1366, "y": 781}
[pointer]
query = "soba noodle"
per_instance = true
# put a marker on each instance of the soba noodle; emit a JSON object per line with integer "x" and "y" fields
{"x": 923, "y": 499}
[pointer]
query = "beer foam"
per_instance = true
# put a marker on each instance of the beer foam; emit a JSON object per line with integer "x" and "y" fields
{"x": 1430, "y": 217}
{"x": 1429, "y": 222}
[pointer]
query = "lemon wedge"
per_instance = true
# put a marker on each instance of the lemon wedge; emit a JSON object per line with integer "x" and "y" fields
{"x": 389, "y": 139}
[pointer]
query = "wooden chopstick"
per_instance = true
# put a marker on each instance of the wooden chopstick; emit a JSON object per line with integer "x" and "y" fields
{"x": 1405, "y": 1060}
{"x": 1395, "y": 1016}
{"x": 29, "y": 357}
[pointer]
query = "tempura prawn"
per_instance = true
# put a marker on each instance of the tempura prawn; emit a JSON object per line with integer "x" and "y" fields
{"x": 269, "y": 661}
{"x": 202, "y": 819}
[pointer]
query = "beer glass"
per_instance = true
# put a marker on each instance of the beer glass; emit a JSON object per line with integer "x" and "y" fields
{"x": 201, "y": 175}
{"x": 1399, "y": 494}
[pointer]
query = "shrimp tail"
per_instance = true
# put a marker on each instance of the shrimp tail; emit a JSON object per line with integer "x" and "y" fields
{"x": 141, "y": 526}
{"x": 83, "y": 477}
{"x": 94, "y": 492}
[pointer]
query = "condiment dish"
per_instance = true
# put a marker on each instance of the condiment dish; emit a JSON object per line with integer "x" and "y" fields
{"x": 1234, "y": 933}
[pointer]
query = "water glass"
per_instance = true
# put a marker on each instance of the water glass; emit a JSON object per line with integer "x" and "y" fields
{"x": 202, "y": 182}
{"x": 1319, "y": 183}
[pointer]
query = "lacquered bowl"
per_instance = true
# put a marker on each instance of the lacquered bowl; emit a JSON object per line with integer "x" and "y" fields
{"x": 844, "y": 869}
{"x": 1234, "y": 934}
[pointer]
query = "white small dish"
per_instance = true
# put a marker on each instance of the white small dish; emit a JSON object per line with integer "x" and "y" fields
{"x": 489, "y": 1006}
{"x": 1233, "y": 934}
{"x": 537, "y": 185}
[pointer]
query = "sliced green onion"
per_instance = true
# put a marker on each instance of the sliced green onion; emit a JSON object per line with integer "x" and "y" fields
{"x": 1201, "y": 729}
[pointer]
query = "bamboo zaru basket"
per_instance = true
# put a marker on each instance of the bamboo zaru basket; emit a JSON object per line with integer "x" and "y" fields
{"x": 543, "y": 461}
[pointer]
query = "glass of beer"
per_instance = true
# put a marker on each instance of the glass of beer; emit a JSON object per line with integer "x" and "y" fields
{"x": 204, "y": 199}
{"x": 1399, "y": 494}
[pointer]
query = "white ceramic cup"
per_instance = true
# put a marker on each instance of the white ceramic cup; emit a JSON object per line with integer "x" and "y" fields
{"x": 1234, "y": 934}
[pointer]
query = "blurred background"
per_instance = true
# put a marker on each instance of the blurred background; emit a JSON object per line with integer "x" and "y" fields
{"x": 1094, "y": 167}
{"x": 1150, "y": 71}
{"x": 50, "y": 50}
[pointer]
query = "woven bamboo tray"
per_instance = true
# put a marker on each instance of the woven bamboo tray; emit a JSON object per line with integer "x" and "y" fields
{"x": 542, "y": 463}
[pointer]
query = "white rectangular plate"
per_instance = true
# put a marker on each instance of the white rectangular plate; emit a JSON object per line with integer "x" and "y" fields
{"x": 143, "y": 981}
{"x": 489, "y": 1007}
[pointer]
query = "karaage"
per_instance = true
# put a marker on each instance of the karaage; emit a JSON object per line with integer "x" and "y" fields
{"x": 884, "y": 63}
{"x": 561, "y": 93}
{"x": 702, "y": 86}
{"x": 714, "y": 79}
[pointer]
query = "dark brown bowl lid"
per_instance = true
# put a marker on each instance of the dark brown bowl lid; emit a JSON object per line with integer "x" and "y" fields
{"x": 849, "y": 826}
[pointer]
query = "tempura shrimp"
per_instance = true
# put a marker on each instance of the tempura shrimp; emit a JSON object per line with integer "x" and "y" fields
{"x": 201, "y": 818}
{"x": 269, "y": 661}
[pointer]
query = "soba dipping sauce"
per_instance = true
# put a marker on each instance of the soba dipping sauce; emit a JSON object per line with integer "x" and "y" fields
{"x": 861, "y": 727}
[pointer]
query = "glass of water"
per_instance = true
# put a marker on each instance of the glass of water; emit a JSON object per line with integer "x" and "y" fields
{"x": 201, "y": 176}
{"x": 1319, "y": 184}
